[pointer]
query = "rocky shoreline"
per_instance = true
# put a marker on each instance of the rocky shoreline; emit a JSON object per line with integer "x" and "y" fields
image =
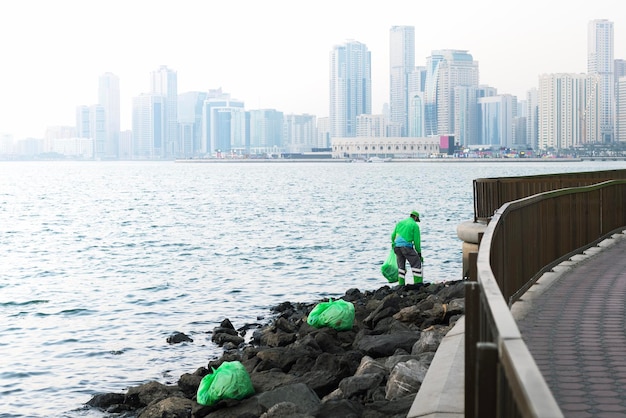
{"x": 373, "y": 370}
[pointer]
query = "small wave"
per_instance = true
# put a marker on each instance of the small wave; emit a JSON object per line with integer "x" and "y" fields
{"x": 21, "y": 375}
{"x": 62, "y": 341}
{"x": 77, "y": 312}
{"x": 29, "y": 302}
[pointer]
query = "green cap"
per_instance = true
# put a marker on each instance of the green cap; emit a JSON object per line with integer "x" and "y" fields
{"x": 416, "y": 214}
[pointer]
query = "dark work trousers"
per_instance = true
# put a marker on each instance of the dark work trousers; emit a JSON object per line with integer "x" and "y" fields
{"x": 404, "y": 254}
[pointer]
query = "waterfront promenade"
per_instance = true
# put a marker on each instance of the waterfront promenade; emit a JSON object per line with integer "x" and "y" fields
{"x": 572, "y": 321}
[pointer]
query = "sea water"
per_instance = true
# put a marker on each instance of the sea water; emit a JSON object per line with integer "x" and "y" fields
{"x": 102, "y": 261}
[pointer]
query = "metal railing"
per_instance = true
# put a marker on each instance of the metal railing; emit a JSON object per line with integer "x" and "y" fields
{"x": 491, "y": 193}
{"x": 525, "y": 238}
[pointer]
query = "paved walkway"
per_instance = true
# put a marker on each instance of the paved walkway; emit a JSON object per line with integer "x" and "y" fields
{"x": 573, "y": 321}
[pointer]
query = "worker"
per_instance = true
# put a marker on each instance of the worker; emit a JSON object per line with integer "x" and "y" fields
{"x": 407, "y": 245}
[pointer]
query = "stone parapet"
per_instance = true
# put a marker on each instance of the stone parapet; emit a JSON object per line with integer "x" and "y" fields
{"x": 469, "y": 232}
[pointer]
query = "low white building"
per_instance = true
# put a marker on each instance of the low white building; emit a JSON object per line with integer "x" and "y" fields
{"x": 384, "y": 147}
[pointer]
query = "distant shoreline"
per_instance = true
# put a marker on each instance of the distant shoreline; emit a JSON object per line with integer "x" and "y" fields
{"x": 395, "y": 160}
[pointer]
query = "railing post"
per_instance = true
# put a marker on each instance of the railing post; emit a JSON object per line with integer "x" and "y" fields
{"x": 486, "y": 380}
{"x": 472, "y": 332}
{"x": 473, "y": 268}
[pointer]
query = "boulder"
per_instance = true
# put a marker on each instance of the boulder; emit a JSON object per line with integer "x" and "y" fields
{"x": 385, "y": 345}
{"x": 178, "y": 337}
{"x": 173, "y": 407}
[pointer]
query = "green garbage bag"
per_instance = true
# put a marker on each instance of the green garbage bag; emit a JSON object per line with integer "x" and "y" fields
{"x": 338, "y": 314}
{"x": 389, "y": 269}
{"x": 229, "y": 381}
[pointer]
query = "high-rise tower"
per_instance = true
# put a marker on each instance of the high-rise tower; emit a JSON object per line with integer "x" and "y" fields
{"x": 350, "y": 87}
{"x": 401, "y": 66}
{"x": 445, "y": 70}
{"x": 600, "y": 62}
{"x": 568, "y": 110}
{"x": 109, "y": 99}
{"x": 165, "y": 84}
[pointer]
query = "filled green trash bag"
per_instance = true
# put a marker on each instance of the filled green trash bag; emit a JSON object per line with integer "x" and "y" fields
{"x": 229, "y": 381}
{"x": 338, "y": 314}
{"x": 389, "y": 269}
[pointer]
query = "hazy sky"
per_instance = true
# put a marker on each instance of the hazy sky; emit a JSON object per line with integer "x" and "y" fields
{"x": 270, "y": 54}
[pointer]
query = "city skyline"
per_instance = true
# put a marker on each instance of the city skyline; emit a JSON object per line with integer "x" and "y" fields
{"x": 58, "y": 52}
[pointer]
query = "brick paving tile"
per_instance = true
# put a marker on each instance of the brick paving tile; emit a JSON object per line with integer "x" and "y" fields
{"x": 611, "y": 408}
{"x": 611, "y": 401}
{"x": 575, "y": 406}
{"x": 603, "y": 380}
{"x": 573, "y": 392}
{"x": 580, "y": 414}
{"x": 603, "y": 394}
{"x": 571, "y": 386}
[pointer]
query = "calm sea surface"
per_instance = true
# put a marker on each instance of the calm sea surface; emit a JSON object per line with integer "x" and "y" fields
{"x": 102, "y": 261}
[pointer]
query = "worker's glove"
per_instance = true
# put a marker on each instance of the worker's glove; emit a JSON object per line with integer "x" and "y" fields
{"x": 421, "y": 258}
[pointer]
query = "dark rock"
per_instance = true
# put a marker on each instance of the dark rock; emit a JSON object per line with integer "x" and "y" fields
{"x": 429, "y": 340}
{"x": 189, "y": 383}
{"x": 389, "y": 306}
{"x": 173, "y": 407}
{"x": 276, "y": 338}
{"x": 405, "y": 379}
{"x": 151, "y": 392}
{"x": 327, "y": 341}
{"x": 225, "y": 330}
{"x": 178, "y": 337}
{"x": 283, "y": 358}
{"x": 370, "y": 366}
{"x": 105, "y": 400}
{"x": 320, "y": 381}
{"x": 398, "y": 408}
{"x": 225, "y": 338}
{"x": 299, "y": 394}
{"x": 226, "y": 324}
{"x": 361, "y": 386}
{"x": 270, "y": 379}
{"x": 285, "y": 410}
{"x": 284, "y": 325}
{"x": 385, "y": 345}
{"x": 341, "y": 408}
{"x": 229, "y": 356}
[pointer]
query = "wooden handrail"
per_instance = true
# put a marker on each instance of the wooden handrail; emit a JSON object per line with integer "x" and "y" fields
{"x": 491, "y": 193}
{"x": 522, "y": 239}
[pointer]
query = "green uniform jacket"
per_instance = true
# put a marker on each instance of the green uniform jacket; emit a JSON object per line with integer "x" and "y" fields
{"x": 406, "y": 234}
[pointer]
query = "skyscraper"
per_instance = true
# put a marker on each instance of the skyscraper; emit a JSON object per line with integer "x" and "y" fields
{"x": 496, "y": 114}
{"x": 401, "y": 66}
{"x": 568, "y": 110}
{"x": 82, "y": 122}
{"x": 350, "y": 87}
{"x": 165, "y": 84}
{"x": 148, "y": 126}
{"x": 532, "y": 118}
{"x": 417, "y": 83}
{"x": 445, "y": 70}
{"x": 300, "y": 132}
{"x": 600, "y": 62}
{"x": 190, "y": 122}
{"x": 265, "y": 131}
{"x": 109, "y": 99}
{"x": 223, "y": 124}
{"x": 97, "y": 131}
{"x": 621, "y": 110}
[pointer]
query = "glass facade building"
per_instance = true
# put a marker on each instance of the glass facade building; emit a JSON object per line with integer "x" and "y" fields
{"x": 350, "y": 87}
